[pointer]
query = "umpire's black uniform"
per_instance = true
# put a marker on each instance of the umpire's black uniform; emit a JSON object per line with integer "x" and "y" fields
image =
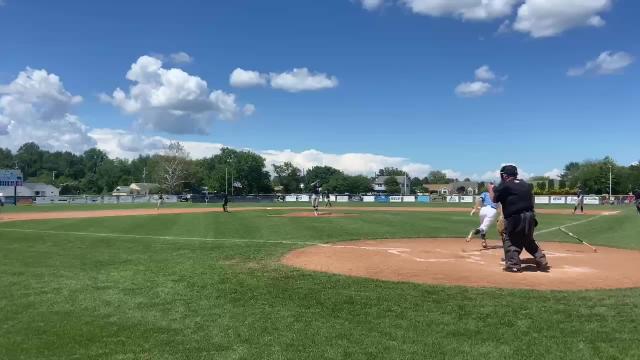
{"x": 516, "y": 198}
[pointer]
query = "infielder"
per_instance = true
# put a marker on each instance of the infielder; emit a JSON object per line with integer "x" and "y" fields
{"x": 637, "y": 196}
{"x": 315, "y": 196}
{"x": 579, "y": 202}
{"x": 488, "y": 213}
{"x": 225, "y": 203}
{"x": 160, "y": 201}
{"x": 327, "y": 200}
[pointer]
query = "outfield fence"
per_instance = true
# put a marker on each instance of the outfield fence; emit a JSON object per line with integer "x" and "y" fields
{"x": 302, "y": 198}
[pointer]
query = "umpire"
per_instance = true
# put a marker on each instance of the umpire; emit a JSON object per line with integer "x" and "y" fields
{"x": 516, "y": 198}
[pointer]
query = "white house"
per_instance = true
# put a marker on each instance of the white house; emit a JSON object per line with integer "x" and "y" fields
{"x": 405, "y": 188}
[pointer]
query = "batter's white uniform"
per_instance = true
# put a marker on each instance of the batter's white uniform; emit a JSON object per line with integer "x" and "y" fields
{"x": 488, "y": 216}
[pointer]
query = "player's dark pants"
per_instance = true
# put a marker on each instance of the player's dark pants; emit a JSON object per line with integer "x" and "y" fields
{"x": 224, "y": 206}
{"x": 519, "y": 235}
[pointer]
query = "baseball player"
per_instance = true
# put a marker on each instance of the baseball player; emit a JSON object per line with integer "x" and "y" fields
{"x": 579, "y": 202}
{"x": 225, "y": 203}
{"x": 516, "y": 198}
{"x": 160, "y": 201}
{"x": 637, "y": 198}
{"x": 315, "y": 196}
{"x": 327, "y": 200}
{"x": 488, "y": 213}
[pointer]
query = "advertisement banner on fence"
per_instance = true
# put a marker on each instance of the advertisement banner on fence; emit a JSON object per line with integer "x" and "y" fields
{"x": 572, "y": 199}
{"x": 342, "y": 198}
{"x": 382, "y": 198}
{"x": 291, "y": 198}
{"x": 542, "y": 199}
{"x": 141, "y": 199}
{"x": 304, "y": 198}
{"x": 170, "y": 198}
{"x": 409, "y": 199}
{"x": 466, "y": 199}
{"x": 110, "y": 200}
{"x": 424, "y": 199}
{"x": 592, "y": 200}
{"x": 453, "y": 199}
{"x": 395, "y": 198}
{"x": 46, "y": 200}
{"x": 558, "y": 200}
{"x": 368, "y": 198}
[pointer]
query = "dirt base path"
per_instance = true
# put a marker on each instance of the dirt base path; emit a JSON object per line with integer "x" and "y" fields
{"x": 455, "y": 262}
{"x": 148, "y": 211}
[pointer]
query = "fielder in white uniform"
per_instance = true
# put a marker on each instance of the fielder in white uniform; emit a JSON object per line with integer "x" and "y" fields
{"x": 488, "y": 215}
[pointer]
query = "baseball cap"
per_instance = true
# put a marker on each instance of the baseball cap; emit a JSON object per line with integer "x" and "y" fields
{"x": 509, "y": 170}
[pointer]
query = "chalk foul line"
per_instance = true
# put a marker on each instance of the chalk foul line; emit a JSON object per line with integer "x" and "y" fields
{"x": 159, "y": 237}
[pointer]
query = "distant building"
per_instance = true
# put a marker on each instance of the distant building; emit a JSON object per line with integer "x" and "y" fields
{"x": 463, "y": 188}
{"x": 136, "y": 189}
{"x": 440, "y": 189}
{"x": 456, "y": 187}
{"x": 403, "y": 181}
{"x": 11, "y": 181}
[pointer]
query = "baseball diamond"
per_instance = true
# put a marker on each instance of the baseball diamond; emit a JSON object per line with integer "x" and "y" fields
{"x": 270, "y": 276}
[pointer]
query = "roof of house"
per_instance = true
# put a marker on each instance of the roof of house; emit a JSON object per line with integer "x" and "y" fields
{"x": 436, "y": 187}
{"x": 466, "y": 184}
{"x": 122, "y": 189}
{"x": 143, "y": 186}
{"x": 40, "y": 187}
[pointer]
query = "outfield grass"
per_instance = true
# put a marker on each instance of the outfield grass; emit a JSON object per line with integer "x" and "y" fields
{"x": 194, "y": 293}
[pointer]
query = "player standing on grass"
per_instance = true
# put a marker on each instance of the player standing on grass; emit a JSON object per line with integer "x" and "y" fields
{"x": 315, "y": 196}
{"x": 579, "y": 202}
{"x": 516, "y": 198}
{"x": 488, "y": 213}
{"x": 637, "y": 198}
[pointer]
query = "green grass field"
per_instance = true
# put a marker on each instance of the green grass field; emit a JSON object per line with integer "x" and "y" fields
{"x": 209, "y": 286}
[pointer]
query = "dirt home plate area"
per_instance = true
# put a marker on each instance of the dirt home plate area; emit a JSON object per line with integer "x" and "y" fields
{"x": 429, "y": 261}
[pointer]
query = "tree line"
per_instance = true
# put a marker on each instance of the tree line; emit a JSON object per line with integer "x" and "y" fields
{"x": 244, "y": 172}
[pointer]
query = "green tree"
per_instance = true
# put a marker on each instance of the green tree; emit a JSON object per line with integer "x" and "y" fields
{"x": 6, "y": 159}
{"x": 359, "y": 184}
{"x": 288, "y": 176}
{"x": 321, "y": 174}
{"x": 438, "y": 177}
{"x": 391, "y": 185}
{"x": 29, "y": 157}
{"x": 541, "y": 186}
{"x": 551, "y": 184}
{"x": 416, "y": 185}
{"x": 391, "y": 171}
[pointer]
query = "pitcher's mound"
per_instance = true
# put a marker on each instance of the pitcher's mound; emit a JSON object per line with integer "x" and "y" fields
{"x": 311, "y": 214}
{"x": 455, "y": 262}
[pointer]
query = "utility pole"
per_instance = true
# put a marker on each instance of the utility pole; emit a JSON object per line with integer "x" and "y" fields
{"x": 232, "y": 183}
{"x": 53, "y": 176}
{"x": 226, "y": 180}
{"x": 144, "y": 174}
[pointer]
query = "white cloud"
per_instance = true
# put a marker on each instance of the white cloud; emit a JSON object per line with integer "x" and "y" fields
{"x": 544, "y": 18}
{"x": 248, "y": 109}
{"x": 452, "y": 174}
{"x": 126, "y": 145}
{"x": 464, "y": 9}
{"x": 36, "y": 107}
{"x": 301, "y": 79}
{"x": 553, "y": 174}
{"x": 484, "y": 73}
{"x": 247, "y": 78}
{"x": 350, "y": 163}
{"x": 171, "y": 100}
{"x": 181, "y": 58}
{"x": 606, "y": 63}
{"x": 372, "y": 4}
{"x": 472, "y": 89}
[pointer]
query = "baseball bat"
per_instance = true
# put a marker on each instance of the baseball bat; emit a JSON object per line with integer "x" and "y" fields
{"x": 577, "y": 238}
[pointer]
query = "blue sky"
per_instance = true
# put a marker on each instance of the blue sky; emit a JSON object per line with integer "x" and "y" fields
{"x": 381, "y": 80}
